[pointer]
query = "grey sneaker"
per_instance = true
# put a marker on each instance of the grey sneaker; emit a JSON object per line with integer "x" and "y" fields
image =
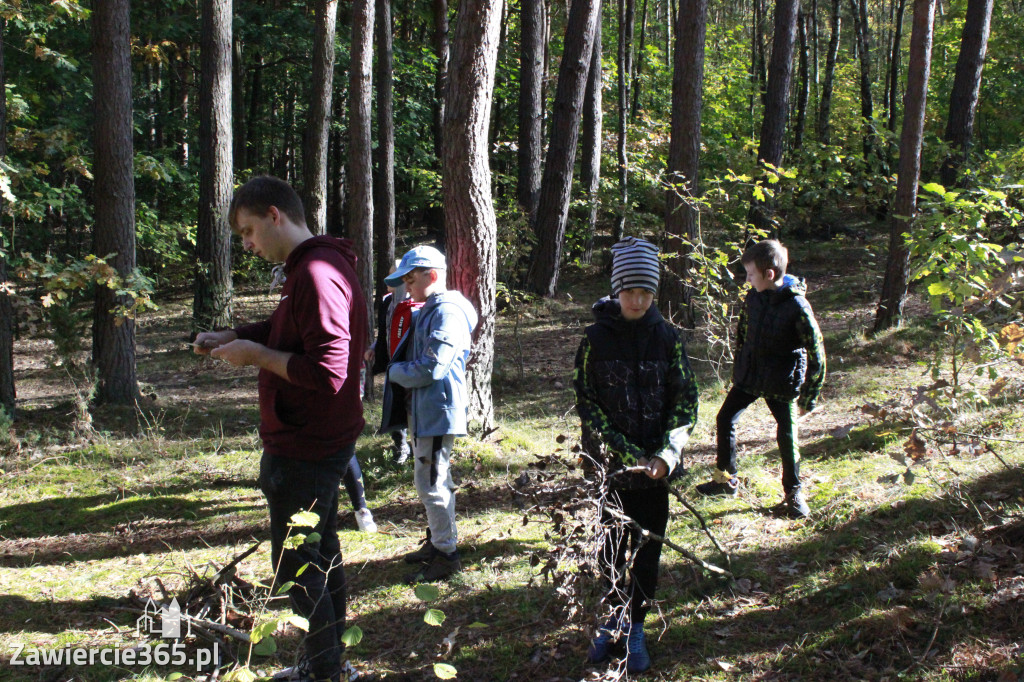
{"x": 793, "y": 507}
{"x": 400, "y": 453}
{"x": 440, "y": 567}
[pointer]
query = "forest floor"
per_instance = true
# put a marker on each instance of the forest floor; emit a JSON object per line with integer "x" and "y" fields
{"x": 897, "y": 575}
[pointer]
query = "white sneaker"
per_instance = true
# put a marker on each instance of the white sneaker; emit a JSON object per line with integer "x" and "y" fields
{"x": 364, "y": 519}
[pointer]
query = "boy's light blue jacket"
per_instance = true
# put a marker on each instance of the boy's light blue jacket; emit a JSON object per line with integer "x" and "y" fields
{"x": 430, "y": 363}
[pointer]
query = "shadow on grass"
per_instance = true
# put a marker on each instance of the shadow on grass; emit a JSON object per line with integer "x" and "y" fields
{"x": 848, "y": 603}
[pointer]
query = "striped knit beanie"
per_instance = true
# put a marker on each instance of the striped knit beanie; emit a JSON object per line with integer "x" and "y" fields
{"x": 635, "y": 265}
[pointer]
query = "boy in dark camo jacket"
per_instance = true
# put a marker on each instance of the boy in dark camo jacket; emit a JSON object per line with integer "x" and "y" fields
{"x": 637, "y": 400}
{"x": 780, "y": 357}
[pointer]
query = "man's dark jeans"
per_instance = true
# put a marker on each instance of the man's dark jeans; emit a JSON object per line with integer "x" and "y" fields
{"x": 784, "y": 411}
{"x": 292, "y": 486}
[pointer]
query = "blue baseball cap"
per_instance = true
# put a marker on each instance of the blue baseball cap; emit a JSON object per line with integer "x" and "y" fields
{"x": 417, "y": 257}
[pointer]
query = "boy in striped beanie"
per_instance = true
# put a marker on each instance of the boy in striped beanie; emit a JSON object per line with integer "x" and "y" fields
{"x": 637, "y": 400}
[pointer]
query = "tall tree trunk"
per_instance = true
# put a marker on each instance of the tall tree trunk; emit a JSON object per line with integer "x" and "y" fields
{"x": 314, "y": 156}
{"x": 211, "y": 306}
{"x": 255, "y": 141}
{"x": 239, "y": 132}
{"x": 861, "y": 27}
{"x": 639, "y": 64}
{"x": 113, "y": 340}
{"x": 894, "y": 64}
{"x": 186, "y": 77}
{"x": 337, "y": 220}
{"x": 590, "y": 155}
{"x": 825, "y": 105}
{"x": 627, "y": 12}
{"x": 681, "y": 214}
{"x": 531, "y": 104}
{"x": 897, "y": 269}
{"x": 360, "y": 161}
{"x": 441, "y": 75}
{"x": 384, "y": 183}
{"x": 805, "y": 85}
{"x": 963, "y": 100}
{"x": 471, "y": 226}
{"x": 556, "y": 185}
{"x": 780, "y": 73}
{"x": 7, "y": 393}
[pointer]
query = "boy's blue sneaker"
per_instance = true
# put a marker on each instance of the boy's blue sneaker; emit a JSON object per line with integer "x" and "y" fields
{"x": 637, "y": 658}
{"x": 600, "y": 647}
{"x": 719, "y": 489}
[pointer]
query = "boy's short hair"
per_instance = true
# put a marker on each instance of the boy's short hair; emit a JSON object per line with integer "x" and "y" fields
{"x": 262, "y": 192}
{"x": 766, "y": 254}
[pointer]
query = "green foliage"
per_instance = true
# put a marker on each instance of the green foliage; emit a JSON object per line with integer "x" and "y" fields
{"x": 968, "y": 280}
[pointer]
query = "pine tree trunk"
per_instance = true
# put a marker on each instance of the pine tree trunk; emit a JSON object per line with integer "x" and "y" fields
{"x": 7, "y": 393}
{"x": 894, "y": 65}
{"x": 805, "y": 86}
{"x": 862, "y": 30}
{"x": 211, "y": 306}
{"x": 773, "y": 126}
{"x": 384, "y": 183}
{"x": 470, "y": 222}
{"x": 639, "y": 64}
{"x": 113, "y": 340}
{"x": 897, "y": 269}
{"x": 531, "y": 105}
{"x": 441, "y": 76}
{"x": 627, "y": 13}
{"x": 239, "y": 132}
{"x": 963, "y": 100}
{"x": 255, "y": 141}
{"x": 681, "y": 217}
{"x": 825, "y": 105}
{"x": 590, "y": 155}
{"x": 556, "y": 185}
{"x": 360, "y": 161}
{"x": 314, "y": 156}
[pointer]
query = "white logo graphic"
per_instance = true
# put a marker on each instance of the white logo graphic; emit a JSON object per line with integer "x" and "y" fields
{"x": 162, "y": 621}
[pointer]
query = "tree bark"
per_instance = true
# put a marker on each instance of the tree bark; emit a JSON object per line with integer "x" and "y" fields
{"x": 897, "y": 269}
{"x": 825, "y": 105}
{"x": 211, "y": 306}
{"x": 805, "y": 84}
{"x": 441, "y": 75}
{"x": 590, "y": 155}
{"x": 239, "y": 131}
{"x": 894, "y": 64}
{"x": 314, "y": 156}
{"x": 639, "y": 64}
{"x": 556, "y": 185}
{"x": 7, "y": 392}
{"x": 627, "y": 12}
{"x": 963, "y": 100}
{"x": 384, "y": 183}
{"x": 780, "y": 73}
{"x": 531, "y": 105}
{"x": 471, "y": 226}
{"x": 360, "y": 161}
{"x": 681, "y": 214}
{"x": 861, "y": 27}
{"x": 113, "y": 340}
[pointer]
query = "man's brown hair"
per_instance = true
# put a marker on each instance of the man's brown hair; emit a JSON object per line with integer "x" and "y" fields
{"x": 262, "y": 192}
{"x": 766, "y": 254}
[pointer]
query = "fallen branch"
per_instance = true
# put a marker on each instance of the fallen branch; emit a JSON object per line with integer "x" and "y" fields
{"x": 648, "y": 535}
{"x": 704, "y": 526}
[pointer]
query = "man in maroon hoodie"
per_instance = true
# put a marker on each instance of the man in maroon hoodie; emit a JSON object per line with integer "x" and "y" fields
{"x": 309, "y": 354}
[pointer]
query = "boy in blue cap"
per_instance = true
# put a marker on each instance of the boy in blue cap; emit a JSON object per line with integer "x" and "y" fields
{"x": 425, "y": 388}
